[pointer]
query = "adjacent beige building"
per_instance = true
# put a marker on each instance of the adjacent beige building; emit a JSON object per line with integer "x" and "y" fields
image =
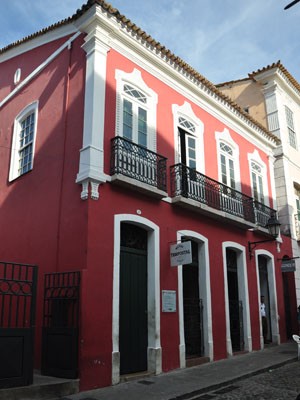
{"x": 271, "y": 95}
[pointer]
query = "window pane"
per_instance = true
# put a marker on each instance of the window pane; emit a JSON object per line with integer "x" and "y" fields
{"x": 231, "y": 172}
{"x": 223, "y": 170}
{"x": 142, "y": 127}
{"x": 127, "y": 119}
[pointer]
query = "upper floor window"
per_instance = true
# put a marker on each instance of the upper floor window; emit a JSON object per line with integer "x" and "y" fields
{"x": 136, "y": 109}
{"x": 228, "y": 160}
{"x": 257, "y": 182}
{"x": 290, "y": 125}
{"x": 134, "y": 115}
{"x": 227, "y": 165}
{"x": 23, "y": 142}
{"x": 258, "y": 178}
{"x": 188, "y": 137}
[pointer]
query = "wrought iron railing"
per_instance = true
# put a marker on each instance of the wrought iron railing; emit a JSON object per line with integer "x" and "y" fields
{"x": 137, "y": 162}
{"x": 191, "y": 184}
{"x": 297, "y": 226}
{"x": 262, "y": 213}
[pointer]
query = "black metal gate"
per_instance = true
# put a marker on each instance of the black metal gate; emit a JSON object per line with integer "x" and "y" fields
{"x": 17, "y": 321}
{"x": 61, "y": 325}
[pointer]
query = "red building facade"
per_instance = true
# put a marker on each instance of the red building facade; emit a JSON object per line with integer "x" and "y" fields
{"x": 113, "y": 149}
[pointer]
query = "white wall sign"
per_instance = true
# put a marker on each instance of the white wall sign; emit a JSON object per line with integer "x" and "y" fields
{"x": 181, "y": 253}
{"x": 169, "y": 300}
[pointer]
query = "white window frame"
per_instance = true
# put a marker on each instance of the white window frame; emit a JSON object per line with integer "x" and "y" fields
{"x": 226, "y": 138}
{"x": 15, "y": 155}
{"x": 186, "y": 112}
{"x": 135, "y": 80}
{"x": 255, "y": 158}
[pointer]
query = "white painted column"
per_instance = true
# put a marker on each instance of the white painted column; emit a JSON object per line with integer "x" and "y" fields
{"x": 91, "y": 172}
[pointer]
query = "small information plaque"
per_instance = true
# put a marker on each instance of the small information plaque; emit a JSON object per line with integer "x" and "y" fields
{"x": 168, "y": 300}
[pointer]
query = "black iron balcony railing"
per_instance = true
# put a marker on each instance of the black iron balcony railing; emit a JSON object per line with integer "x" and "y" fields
{"x": 193, "y": 185}
{"x": 137, "y": 162}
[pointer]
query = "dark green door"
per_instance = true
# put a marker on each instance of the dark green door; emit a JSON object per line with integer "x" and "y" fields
{"x": 133, "y": 340}
{"x": 235, "y": 306}
{"x": 192, "y": 307}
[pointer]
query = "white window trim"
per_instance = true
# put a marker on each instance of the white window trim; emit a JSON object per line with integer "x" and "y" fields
{"x": 226, "y": 138}
{"x": 14, "y": 158}
{"x": 255, "y": 157}
{"x": 186, "y": 111}
{"x": 135, "y": 79}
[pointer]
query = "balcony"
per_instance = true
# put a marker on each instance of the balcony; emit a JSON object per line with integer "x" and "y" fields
{"x": 297, "y": 226}
{"x": 137, "y": 167}
{"x": 196, "y": 191}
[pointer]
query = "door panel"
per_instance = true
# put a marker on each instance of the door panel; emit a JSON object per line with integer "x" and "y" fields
{"x": 133, "y": 341}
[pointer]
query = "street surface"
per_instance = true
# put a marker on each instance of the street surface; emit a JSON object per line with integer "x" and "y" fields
{"x": 278, "y": 384}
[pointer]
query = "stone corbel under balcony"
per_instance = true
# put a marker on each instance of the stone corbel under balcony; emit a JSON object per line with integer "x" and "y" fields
{"x": 90, "y": 174}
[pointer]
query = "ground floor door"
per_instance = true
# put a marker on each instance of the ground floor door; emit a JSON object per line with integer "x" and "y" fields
{"x": 264, "y": 291}
{"x": 235, "y": 305}
{"x": 18, "y": 286}
{"x": 133, "y": 324}
{"x": 192, "y": 306}
{"x": 60, "y": 331}
{"x": 287, "y": 304}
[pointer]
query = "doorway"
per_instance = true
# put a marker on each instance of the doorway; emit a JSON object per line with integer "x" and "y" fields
{"x": 133, "y": 314}
{"x": 264, "y": 291}
{"x": 193, "y": 308}
{"x": 235, "y": 304}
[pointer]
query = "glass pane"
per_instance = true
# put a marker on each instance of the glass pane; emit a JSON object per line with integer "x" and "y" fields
{"x": 223, "y": 170}
{"x": 142, "y": 127}
{"x": 231, "y": 171}
{"x": 261, "y": 189}
{"x": 127, "y": 119}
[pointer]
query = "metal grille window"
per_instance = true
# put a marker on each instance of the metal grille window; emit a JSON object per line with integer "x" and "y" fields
{"x": 290, "y": 125}
{"x": 26, "y": 144}
{"x": 257, "y": 182}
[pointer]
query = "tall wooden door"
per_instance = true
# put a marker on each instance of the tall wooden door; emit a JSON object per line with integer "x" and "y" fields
{"x": 192, "y": 307}
{"x": 133, "y": 334}
{"x": 235, "y": 305}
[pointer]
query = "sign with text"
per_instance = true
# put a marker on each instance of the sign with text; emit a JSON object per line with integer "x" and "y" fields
{"x": 169, "y": 301}
{"x": 288, "y": 265}
{"x": 181, "y": 253}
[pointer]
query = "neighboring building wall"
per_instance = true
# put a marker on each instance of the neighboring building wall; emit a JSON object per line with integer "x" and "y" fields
{"x": 277, "y": 94}
{"x": 247, "y": 94}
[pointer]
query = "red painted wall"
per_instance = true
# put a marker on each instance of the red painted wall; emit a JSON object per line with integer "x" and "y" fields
{"x": 45, "y": 222}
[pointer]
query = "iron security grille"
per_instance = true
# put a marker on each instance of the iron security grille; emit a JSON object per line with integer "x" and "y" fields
{"x": 17, "y": 320}
{"x": 61, "y": 299}
{"x": 61, "y": 324}
{"x": 137, "y": 162}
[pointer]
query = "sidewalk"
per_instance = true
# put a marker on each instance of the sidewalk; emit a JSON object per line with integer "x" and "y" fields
{"x": 186, "y": 383}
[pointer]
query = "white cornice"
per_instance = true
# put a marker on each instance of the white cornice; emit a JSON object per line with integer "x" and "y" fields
{"x": 148, "y": 57}
{"x": 38, "y": 41}
{"x": 279, "y": 81}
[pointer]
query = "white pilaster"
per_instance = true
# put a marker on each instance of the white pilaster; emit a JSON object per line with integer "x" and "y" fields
{"x": 91, "y": 173}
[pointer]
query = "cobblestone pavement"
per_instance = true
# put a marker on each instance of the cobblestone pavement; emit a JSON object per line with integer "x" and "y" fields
{"x": 277, "y": 384}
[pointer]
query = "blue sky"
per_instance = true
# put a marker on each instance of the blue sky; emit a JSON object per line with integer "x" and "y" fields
{"x": 222, "y": 39}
